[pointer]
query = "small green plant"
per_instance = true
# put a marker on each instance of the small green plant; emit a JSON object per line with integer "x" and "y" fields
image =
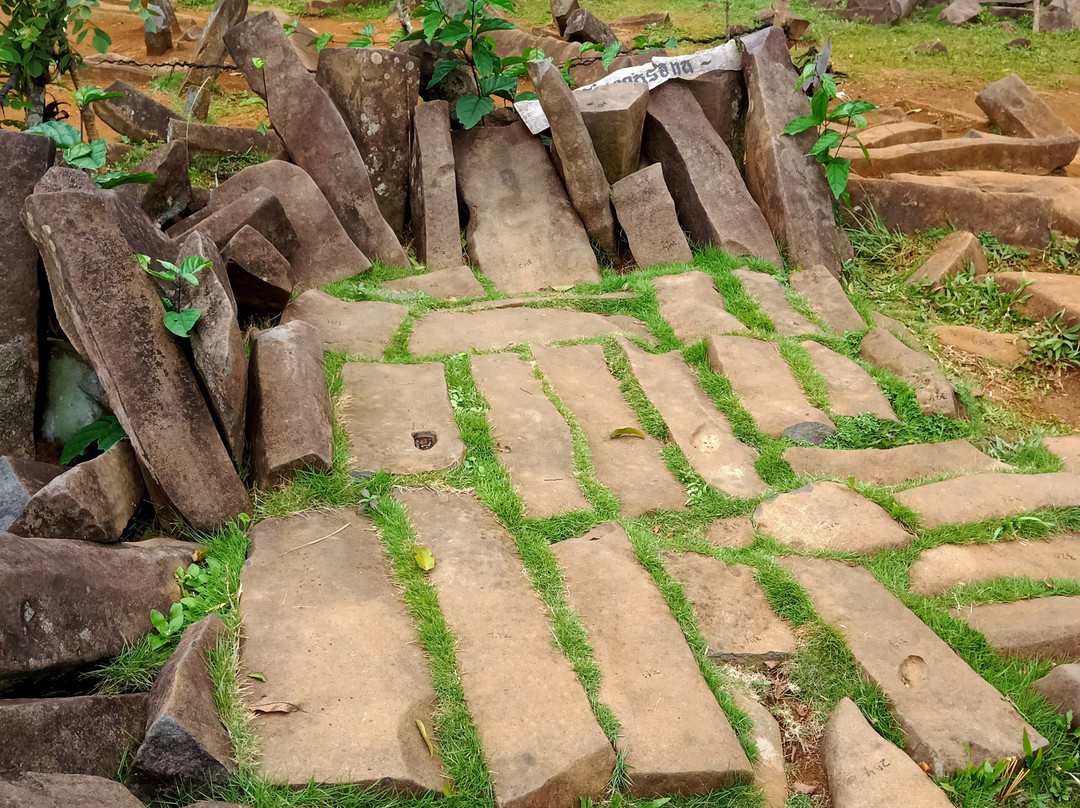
{"x": 1055, "y": 342}
{"x": 365, "y": 39}
{"x": 965, "y": 299}
{"x": 608, "y": 53}
{"x": 89, "y": 156}
{"x": 179, "y": 318}
{"x": 167, "y": 628}
{"x": 104, "y": 431}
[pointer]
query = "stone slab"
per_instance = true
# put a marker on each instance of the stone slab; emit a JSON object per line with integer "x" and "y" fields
{"x": 561, "y": 298}
{"x": 445, "y": 284}
{"x": 324, "y": 622}
{"x": 692, "y": 306}
{"x": 1047, "y": 293}
{"x": 827, "y": 298}
{"x": 614, "y": 114}
{"x": 674, "y": 735}
{"x": 542, "y": 744}
{"x": 950, "y": 716}
{"x": 1063, "y": 193}
{"x": 390, "y": 411}
{"x": 647, "y": 215}
{"x": 134, "y": 114}
{"x": 733, "y": 531}
{"x": 1067, "y": 448}
{"x": 770, "y": 297}
{"x": 891, "y": 466}
{"x": 20, "y": 480}
{"x": 941, "y": 568}
{"x": 202, "y": 138}
{"x": 1000, "y": 349}
{"x": 990, "y": 496}
{"x": 362, "y": 328}
{"x": 38, "y": 790}
{"x": 952, "y": 255}
{"x": 769, "y": 774}
{"x": 632, "y": 468}
{"x": 1016, "y": 110}
{"x": 258, "y": 273}
{"x": 433, "y": 198}
{"x": 1020, "y": 154}
{"x": 1044, "y": 628}
{"x": 933, "y": 391}
{"x": 893, "y": 134}
{"x": 852, "y": 391}
{"x": 1061, "y": 687}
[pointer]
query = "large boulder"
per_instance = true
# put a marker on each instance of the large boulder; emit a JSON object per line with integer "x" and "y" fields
{"x": 1016, "y": 110}
{"x": 37, "y": 790}
{"x": 433, "y": 200}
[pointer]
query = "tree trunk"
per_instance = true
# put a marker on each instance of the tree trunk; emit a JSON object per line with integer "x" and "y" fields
{"x": 783, "y": 13}
{"x": 35, "y": 112}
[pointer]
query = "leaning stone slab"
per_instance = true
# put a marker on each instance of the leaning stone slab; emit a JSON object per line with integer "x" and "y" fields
{"x": 941, "y": 568}
{"x": 38, "y": 790}
{"x": 694, "y": 423}
{"x": 852, "y": 391}
{"x": 765, "y": 384}
{"x": 733, "y": 614}
{"x": 584, "y": 26}
{"x": 151, "y": 387}
{"x": 990, "y": 496}
{"x": 399, "y": 418}
{"x": 950, "y": 716}
{"x": 827, "y": 298}
{"x": 446, "y": 284}
{"x": 788, "y": 185}
{"x": 934, "y": 392}
{"x": 1016, "y": 110}
{"x": 614, "y": 114}
{"x": 721, "y": 94}
{"x": 893, "y": 134}
{"x": 1067, "y": 448}
{"x": 647, "y": 216}
{"x": 674, "y": 735}
{"x": 433, "y": 206}
{"x": 341, "y": 647}
{"x": 93, "y": 501}
{"x": 1061, "y": 687}
{"x": 498, "y": 329}
{"x": 362, "y": 328}
{"x": 260, "y": 209}
{"x": 186, "y": 743}
{"x": 523, "y": 233}
{"x": 530, "y": 435}
{"x": 88, "y": 735}
{"x": 203, "y": 138}
{"x": 953, "y": 255}
{"x": 169, "y": 194}
{"x": 290, "y": 423}
{"x": 66, "y": 604}
{"x": 692, "y": 306}
{"x": 631, "y": 467}
{"x": 259, "y": 275}
{"x": 769, "y": 774}
{"x": 1047, "y": 294}
{"x": 710, "y": 196}
{"x": 891, "y": 466}
{"x": 864, "y": 769}
{"x": 542, "y": 745}
{"x": 20, "y": 480}
{"x": 770, "y": 297}
{"x": 1023, "y": 155}
{"x": 1041, "y": 628}
{"x": 829, "y": 516}
{"x": 135, "y": 114}
{"x": 210, "y": 50}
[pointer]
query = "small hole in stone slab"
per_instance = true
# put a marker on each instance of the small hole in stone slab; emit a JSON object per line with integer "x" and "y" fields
{"x": 424, "y": 440}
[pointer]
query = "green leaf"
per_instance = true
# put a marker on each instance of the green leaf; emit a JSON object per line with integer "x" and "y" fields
{"x": 801, "y": 124}
{"x": 424, "y": 559}
{"x": 627, "y": 432}
{"x": 87, "y": 155}
{"x": 181, "y": 322}
{"x": 191, "y": 266}
{"x": 526, "y": 96}
{"x": 611, "y": 52}
{"x": 360, "y": 42}
{"x": 320, "y": 42}
{"x": 101, "y": 40}
{"x": 495, "y": 24}
{"x": 399, "y": 34}
{"x": 259, "y": 62}
{"x": 836, "y": 172}
{"x": 471, "y": 109}
{"x": 808, "y": 72}
{"x": 850, "y": 108}
{"x": 105, "y": 431}
{"x": 432, "y": 23}
{"x": 176, "y": 616}
{"x": 62, "y": 134}
{"x": 484, "y": 58}
{"x": 368, "y": 31}
{"x": 115, "y": 178}
{"x": 828, "y": 84}
{"x": 819, "y": 106}
{"x": 168, "y": 273}
{"x": 261, "y": 128}
{"x": 158, "y": 621}
{"x": 260, "y": 677}
{"x": 454, "y": 33}
{"x": 828, "y": 141}
{"x": 502, "y": 5}
{"x": 88, "y": 95}
{"x": 442, "y": 70}
{"x": 500, "y": 85}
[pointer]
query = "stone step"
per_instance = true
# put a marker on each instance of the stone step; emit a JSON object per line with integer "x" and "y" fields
{"x": 694, "y": 424}
{"x": 769, "y": 294}
{"x": 496, "y": 330}
{"x": 827, "y": 298}
{"x": 765, "y": 384}
{"x": 541, "y": 741}
{"x": 852, "y": 391}
{"x": 363, "y": 328}
{"x": 733, "y": 614}
{"x": 734, "y": 531}
{"x": 933, "y": 391}
{"x": 891, "y": 466}
{"x": 941, "y": 568}
{"x": 325, "y": 626}
{"x": 531, "y": 437}
{"x": 632, "y": 468}
{"x": 674, "y": 734}
{"x": 1046, "y": 294}
{"x": 829, "y": 516}
{"x": 692, "y": 306}
{"x": 950, "y": 716}
{"x": 990, "y": 496}
{"x": 893, "y": 134}
{"x": 1044, "y": 627}
{"x": 1008, "y": 350}
{"x": 769, "y": 774}
{"x": 561, "y": 299}
{"x": 1067, "y": 448}
{"x": 450, "y": 283}
{"x": 399, "y": 418}
{"x": 1061, "y": 687}
{"x": 1022, "y": 154}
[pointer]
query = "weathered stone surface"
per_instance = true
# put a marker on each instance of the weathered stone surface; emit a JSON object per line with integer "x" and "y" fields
{"x": 523, "y": 232}
{"x": 542, "y": 745}
{"x": 38, "y": 790}
{"x": 433, "y": 200}
{"x": 1067, "y": 448}
{"x": 260, "y": 209}
{"x": 647, "y": 215}
{"x": 399, "y": 418}
{"x": 134, "y": 114}
{"x": 864, "y": 769}
{"x": 1063, "y": 193}
{"x": 959, "y": 12}
{"x": 577, "y": 162}
{"x": 531, "y": 436}
{"x": 169, "y": 194}
{"x": 1016, "y": 110}
{"x": 891, "y": 466}
{"x": 141, "y": 233}
{"x": 20, "y": 480}
{"x": 933, "y": 391}
{"x": 829, "y": 516}
{"x": 632, "y": 468}
{"x": 88, "y": 735}
{"x": 1061, "y": 687}
{"x": 692, "y": 306}
{"x": 202, "y": 138}
{"x": 568, "y": 298}
{"x": 290, "y": 422}
{"x": 788, "y": 186}
{"x": 340, "y": 646}
{"x": 990, "y": 496}
{"x": 614, "y": 114}
{"x": 324, "y": 252}
{"x": 560, "y": 10}
{"x": 73, "y": 397}
{"x": 93, "y": 501}
{"x": 713, "y": 203}
{"x": 827, "y": 298}
{"x": 312, "y": 129}
{"x": 258, "y": 273}
{"x": 1047, "y": 293}
{"x": 764, "y": 383}
{"x": 447, "y": 284}
{"x": 375, "y": 91}
{"x": 733, "y": 614}
{"x": 953, "y": 255}
{"x": 362, "y": 329}
{"x": 1044, "y": 627}
{"x": 769, "y": 773}
{"x": 694, "y": 424}
{"x": 852, "y": 391}
{"x": 1001, "y": 349}
{"x": 721, "y": 95}
{"x": 584, "y": 26}
{"x": 1022, "y": 155}
{"x": 498, "y": 329}
{"x": 674, "y": 745}
{"x": 769, "y": 294}
{"x": 941, "y": 568}
{"x": 893, "y": 134}
{"x": 948, "y": 713}
{"x": 26, "y": 159}
{"x": 150, "y": 385}
{"x": 734, "y": 531}
{"x": 186, "y": 743}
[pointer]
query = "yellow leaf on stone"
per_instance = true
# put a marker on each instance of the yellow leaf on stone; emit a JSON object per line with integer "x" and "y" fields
{"x": 628, "y": 432}
{"x": 424, "y": 559}
{"x": 423, "y": 734}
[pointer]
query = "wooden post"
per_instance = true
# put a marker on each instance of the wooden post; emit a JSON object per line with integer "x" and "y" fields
{"x": 1036, "y": 15}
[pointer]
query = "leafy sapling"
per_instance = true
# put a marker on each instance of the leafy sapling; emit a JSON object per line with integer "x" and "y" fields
{"x": 179, "y": 318}
{"x": 88, "y": 156}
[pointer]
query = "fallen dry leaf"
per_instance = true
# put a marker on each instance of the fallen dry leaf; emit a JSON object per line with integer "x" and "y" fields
{"x": 423, "y": 734}
{"x": 628, "y": 432}
{"x": 275, "y": 707}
